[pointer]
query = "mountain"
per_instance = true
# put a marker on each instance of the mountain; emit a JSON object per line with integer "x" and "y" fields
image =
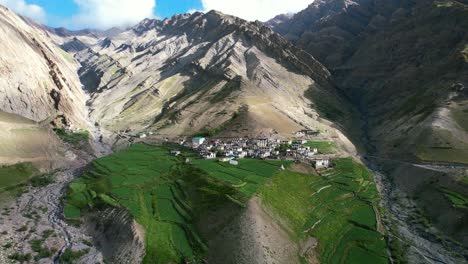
{"x": 403, "y": 64}
{"x": 39, "y": 85}
{"x": 205, "y": 73}
{"x": 198, "y": 73}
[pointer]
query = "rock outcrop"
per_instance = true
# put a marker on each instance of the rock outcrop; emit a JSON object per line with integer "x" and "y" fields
{"x": 118, "y": 236}
{"x": 39, "y": 90}
{"x": 36, "y": 80}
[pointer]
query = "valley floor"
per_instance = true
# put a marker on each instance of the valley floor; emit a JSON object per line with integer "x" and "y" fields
{"x": 32, "y": 227}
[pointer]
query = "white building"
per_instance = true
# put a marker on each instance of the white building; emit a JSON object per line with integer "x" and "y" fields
{"x": 300, "y": 133}
{"x": 322, "y": 164}
{"x": 175, "y": 152}
{"x": 197, "y": 141}
{"x": 234, "y": 162}
{"x": 143, "y": 135}
{"x": 262, "y": 142}
{"x": 209, "y": 155}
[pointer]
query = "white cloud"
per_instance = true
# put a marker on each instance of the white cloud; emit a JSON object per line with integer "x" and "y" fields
{"x": 30, "y": 10}
{"x": 104, "y": 14}
{"x": 262, "y": 10}
{"x": 191, "y": 11}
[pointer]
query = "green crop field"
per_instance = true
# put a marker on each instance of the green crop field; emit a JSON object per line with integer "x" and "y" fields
{"x": 324, "y": 147}
{"x": 165, "y": 195}
{"x": 141, "y": 179}
{"x": 335, "y": 208}
{"x": 245, "y": 177}
{"x": 458, "y": 200}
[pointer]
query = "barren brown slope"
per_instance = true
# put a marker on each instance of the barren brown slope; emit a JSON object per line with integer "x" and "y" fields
{"x": 39, "y": 89}
{"x": 201, "y": 72}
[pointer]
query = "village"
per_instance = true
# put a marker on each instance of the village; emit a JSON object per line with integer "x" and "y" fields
{"x": 232, "y": 150}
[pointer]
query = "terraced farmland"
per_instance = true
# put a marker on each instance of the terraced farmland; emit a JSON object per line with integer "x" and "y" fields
{"x": 166, "y": 195}
{"x": 323, "y": 147}
{"x": 336, "y": 208}
{"x": 246, "y": 177}
{"x": 141, "y": 179}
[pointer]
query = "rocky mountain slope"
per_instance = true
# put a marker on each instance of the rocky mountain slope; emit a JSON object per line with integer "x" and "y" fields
{"x": 401, "y": 62}
{"x": 404, "y": 65}
{"x": 204, "y": 73}
{"x": 38, "y": 86}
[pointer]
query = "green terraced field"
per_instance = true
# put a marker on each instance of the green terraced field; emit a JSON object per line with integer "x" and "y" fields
{"x": 141, "y": 179}
{"x": 164, "y": 194}
{"x": 335, "y": 208}
{"x": 324, "y": 147}
{"x": 246, "y": 177}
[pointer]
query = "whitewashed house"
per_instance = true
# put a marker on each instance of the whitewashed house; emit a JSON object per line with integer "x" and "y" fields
{"x": 322, "y": 163}
{"x": 175, "y": 152}
{"x": 197, "y": 141}
{"x": 209, "y": 155}
{"x": 300, "y": 133}
{"x": 263, "y": 142}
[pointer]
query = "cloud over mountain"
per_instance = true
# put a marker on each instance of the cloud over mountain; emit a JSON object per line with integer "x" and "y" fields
{"x": 256, "y": 9}
{"x": 103, "y": 14}
{"x": 30, "y": 10}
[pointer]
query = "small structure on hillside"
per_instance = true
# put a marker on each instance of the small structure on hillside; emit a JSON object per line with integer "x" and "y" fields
{"x": 321, "y": 164}
{"x": 234, "y": 162}
{"x": 197, "y": 141}
{"x": 225, "y": 159}
{"x": 262, "y": 142}
{"x": 299, "y": 133}
{"x": 143, "y": 135}
{"x": 175, "y": 152}
{"x": 209, "y": 155}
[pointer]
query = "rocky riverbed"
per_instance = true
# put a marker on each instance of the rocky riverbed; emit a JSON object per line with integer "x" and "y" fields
{"x": 32, "y": 226}
{"x": 417, "y": 242}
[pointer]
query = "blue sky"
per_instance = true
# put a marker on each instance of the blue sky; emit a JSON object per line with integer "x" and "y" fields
{"x": 103, "y": 14}
{"x": 59, "y": 11}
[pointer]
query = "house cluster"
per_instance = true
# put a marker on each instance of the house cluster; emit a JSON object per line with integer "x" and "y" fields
{"x": 306, "y": 132}
{"x": 232, "y": 149}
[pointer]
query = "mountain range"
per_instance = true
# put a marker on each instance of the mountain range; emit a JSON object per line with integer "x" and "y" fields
{"x": 386, "y": 80}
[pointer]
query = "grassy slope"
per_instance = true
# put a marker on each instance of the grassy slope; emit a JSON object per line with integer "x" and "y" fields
{"x": 164, "y": 194}
{"x": 16, "y": 174}
{"x": 14, "y": 178}
{"x": 323, "y": 147}
{"x": 335, "y": 208}
{"x": 74, "y": 138}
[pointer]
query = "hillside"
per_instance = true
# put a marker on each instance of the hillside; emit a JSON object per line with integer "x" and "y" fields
{"x": 403, "y": 64}
{"x": 205, "y": 73}
{"x": 39, "y": 89}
